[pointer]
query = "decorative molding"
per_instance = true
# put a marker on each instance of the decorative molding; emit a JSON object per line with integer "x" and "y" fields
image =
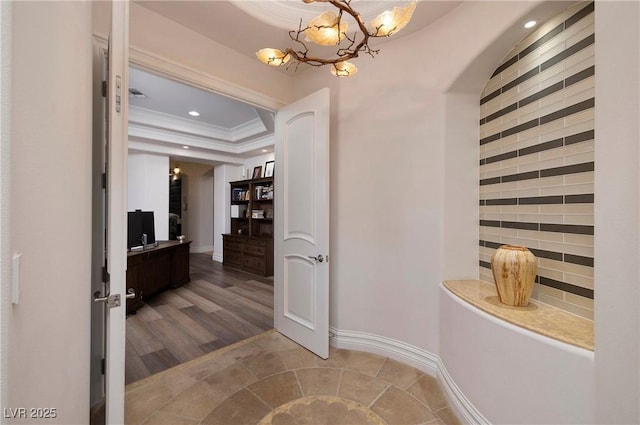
{"x": 414, "y": 356}
{"x": 217, "y": 256}
{"x": 388, "y": 347}
{"x": 161, "y": 136}
{"x": 137, "y": 144}
{"x": 457, "y": 400}
{"x": 175, "y": 138}
{"x": 248, "y": 130}
{"x": 200, "y": 249}
{"x": 171, "y": 123}
{"x": 153, "y": 63}
{"x": 148, "y": 118}
{"x": 259, "y": 143}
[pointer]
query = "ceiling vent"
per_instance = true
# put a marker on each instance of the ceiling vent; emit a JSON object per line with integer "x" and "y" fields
{"x": 136, "y": 94}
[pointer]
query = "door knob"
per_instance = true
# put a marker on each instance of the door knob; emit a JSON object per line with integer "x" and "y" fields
{"x": 111, "y": 301}
{"x": 318, "y": 258}
{"x": 131, "y": 293}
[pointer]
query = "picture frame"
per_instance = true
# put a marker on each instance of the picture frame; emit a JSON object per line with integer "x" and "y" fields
{"x": 268, "y": 168}
{"x": 257, "y": 172}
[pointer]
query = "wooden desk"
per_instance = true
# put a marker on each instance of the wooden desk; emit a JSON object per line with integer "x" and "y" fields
{"x": 156, "y": 269}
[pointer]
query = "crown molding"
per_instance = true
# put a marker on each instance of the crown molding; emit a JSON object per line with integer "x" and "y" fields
{"x": 176, "y": 138}
{"x": 259, "y": 143}
{"x": 143, "y": 117}
{"x": 147, "y": 146}
{"x": 171, "y": 138}
{"x": 153, "y": 63}
{"x": 249, "y": 129}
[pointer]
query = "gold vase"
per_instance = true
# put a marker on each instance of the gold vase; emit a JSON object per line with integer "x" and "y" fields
{"x": 514, "y": 271}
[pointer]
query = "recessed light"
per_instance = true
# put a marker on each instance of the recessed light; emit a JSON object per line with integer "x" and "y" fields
{"x": 194, "y": 113}
{"x": 530, "y": 24}
{"x": 185, "y": 147}
{"x": 265, "y": 150}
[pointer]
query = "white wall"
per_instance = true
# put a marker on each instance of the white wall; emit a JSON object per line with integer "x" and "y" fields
{"x": 512, "y": 375}
{"x": 49, "y": 330}
{"x": 222, "y": 175}
{"x": 148, "y": 188}
{"x": 255, "y": 161}
{"x": 197, "y": 190}
{"x": 617, "y": 212}
{"x": 397, "y": 181}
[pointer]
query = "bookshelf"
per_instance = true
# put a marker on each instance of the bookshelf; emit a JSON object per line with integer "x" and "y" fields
{"x": 249, "y": 245}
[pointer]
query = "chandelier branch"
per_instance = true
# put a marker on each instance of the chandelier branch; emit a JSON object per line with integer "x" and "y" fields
{"x": 329, "y": 29}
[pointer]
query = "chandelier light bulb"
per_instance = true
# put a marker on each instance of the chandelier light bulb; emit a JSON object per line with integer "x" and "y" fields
{"x": 344, "y": 69}
{"x": 390, "y": 22}
{"x": 326, "y": 29}
{"x": 273, "y": 57}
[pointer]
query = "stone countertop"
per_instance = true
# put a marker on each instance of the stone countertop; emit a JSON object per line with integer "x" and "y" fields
{"x": 536, "y": 317}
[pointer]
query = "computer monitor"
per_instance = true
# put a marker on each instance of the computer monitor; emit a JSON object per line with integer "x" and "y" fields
{"x": 138, "y": 223}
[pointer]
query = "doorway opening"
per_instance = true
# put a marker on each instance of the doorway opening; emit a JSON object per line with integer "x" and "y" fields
{"x": 205, "y": 141}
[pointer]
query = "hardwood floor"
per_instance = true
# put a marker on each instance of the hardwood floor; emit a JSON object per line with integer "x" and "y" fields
{"x": 219, "y": 307}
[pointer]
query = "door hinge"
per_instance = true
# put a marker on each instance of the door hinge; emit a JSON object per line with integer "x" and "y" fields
{"x": 103, "y": 366}
{"x": 105, "y": 274}
{"x": 104, "y": 180}
{"x": 104, "y": 89}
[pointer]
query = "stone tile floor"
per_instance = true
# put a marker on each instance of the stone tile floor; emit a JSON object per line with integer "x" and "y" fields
{"x": 269, "y": 379}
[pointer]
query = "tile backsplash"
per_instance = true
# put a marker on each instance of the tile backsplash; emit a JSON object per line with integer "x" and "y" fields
{"x": 537, "y": 158}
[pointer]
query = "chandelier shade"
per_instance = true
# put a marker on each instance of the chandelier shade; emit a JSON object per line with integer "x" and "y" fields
{"x": 330, "y": 29}
{"x": 326, "y": 29}
{"x": 391, "y": 21}
{"x": 273, "y": 57}
{"x": 344, "y": 69}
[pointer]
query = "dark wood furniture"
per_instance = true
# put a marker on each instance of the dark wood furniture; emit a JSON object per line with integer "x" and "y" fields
{"x": 249, "y": 246}
{"x": 252, "y": 254}
{"x": 155, "y": 269}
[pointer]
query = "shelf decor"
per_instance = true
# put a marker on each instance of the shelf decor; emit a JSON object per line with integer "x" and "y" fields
{"x": 268, "y": 168}
{"x": 514, "y": 271}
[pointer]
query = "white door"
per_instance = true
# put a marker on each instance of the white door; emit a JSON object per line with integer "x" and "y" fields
{"x": 302, "y": 222}
{"x": 116, "y": 210}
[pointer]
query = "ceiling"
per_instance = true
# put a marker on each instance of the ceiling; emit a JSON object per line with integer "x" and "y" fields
{"x": 228, "y": 130}
{"x": 250, "y": 25}
{"x": 159, "y": 120}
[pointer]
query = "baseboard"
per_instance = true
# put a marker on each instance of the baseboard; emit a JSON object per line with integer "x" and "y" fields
{"x": 388, "y": 347}
{"x": 457, "y": 400}
{"x": 421, "y": 359}
{"x": 200, "y": 249}
{"x": 217, "y": 256}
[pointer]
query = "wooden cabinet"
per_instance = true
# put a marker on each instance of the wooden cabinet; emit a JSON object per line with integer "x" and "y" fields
{"x": 249, "y": 246}
{"x": 252, "y": 254}
{"x": 156, "y": 269}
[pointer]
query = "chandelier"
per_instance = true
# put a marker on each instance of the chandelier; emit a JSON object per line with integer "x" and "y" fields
{"x": 329, "y": 29}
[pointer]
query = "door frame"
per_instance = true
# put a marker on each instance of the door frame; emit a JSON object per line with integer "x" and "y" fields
{"x": 5, "y": 180}
{"x": 169, "y": 69}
